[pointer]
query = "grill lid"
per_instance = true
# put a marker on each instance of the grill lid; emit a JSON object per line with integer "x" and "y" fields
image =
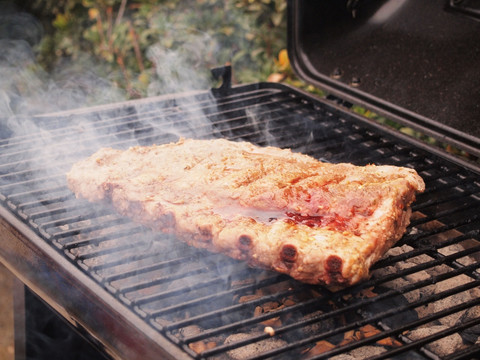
{"x": 416, "y": 62}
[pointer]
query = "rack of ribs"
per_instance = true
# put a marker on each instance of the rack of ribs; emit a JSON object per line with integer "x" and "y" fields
{"x": 318, "y": 222}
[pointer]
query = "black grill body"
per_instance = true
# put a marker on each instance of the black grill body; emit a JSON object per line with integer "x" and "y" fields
{"x": 414, "y": 62}
{"x": 134, "y": 294}
{"x": 140, "y": 295}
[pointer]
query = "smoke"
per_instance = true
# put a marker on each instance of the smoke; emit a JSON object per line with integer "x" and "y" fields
{"x": 27, "y": 89}
{"x": 46, "y": 125}
{"x": 28, "y": 93}
{"x": 182, "y": 69}
{"x": 178, "y": 62}
{"x": 51, "y": 119}
{"x": 46, "y": 121}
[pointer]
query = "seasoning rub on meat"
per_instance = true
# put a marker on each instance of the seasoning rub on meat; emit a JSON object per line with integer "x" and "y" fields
{"x": 320, "y": 223}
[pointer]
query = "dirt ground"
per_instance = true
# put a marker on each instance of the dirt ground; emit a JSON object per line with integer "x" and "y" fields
{"x": 6, "y": 318}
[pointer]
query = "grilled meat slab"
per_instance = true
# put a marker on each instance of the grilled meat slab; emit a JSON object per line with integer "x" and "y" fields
{"x": 320, "y": 223}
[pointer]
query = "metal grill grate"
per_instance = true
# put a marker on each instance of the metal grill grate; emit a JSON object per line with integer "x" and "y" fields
{"x": 213, "y": 307}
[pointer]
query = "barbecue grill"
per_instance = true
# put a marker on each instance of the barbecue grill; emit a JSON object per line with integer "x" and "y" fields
{"x": 130, "y": 293}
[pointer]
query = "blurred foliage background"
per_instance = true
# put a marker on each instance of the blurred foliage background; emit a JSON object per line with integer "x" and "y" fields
{"x": 149, "y": 47}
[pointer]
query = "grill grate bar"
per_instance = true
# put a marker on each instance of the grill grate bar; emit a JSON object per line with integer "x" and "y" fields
{"x": 27, "y": 195}
{"x": 408, "y": 271}
{"x": 357, "y": 140}
{"x": 412, "y": 239}
{"x": 426, "y": 169}
{"x": 129, "y": 231}
{"x": 133, "y": 126}
{"x": 75, "y": 123}
{"x": 61, "y": 223}
{"x": 428, "y": 265}
{"x": 59, "y": 174}
{"x": 178, "y": 291}
{"x": 338, "y": 331}
{"x": 30, "y": 172}
{"x": 421, "y": 249}
{"x": 117, "y": 249}
{"x": 445, "y": 199}
{"x": 160, "y": 261}
{"x": 165, "y": 279}
{"x": 355, "y": 307}
{"x": 435, "y": 188}
{"x": 131, "y": 262}
{"x": 375, "y": 318}
{"x": 428, "y": 339}
{"x": 157, "y": 313}
{"x": 50, "y": 211}
{"x": 31, "y": 183}
{"x": 52, "y": 167}
{"x": 470, "y": 353}
{"x": 47, "y": 200}
{"x": 237, "y": 271}
{"x": 237, "y": 307}
{"x": 121, "y": 244}
{"x": 468, "y": 208}
{"x": 424, "y": 266}
{"x": 96, "y": 268}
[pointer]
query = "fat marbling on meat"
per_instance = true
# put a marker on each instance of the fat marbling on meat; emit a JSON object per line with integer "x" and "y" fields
{"x": 318, "y": 222}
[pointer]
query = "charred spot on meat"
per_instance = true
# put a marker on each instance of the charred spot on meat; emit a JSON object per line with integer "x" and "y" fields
{"x": 288, "y": 253}
{"x": 244, "y": 242}
{"x": 333, "y": 264}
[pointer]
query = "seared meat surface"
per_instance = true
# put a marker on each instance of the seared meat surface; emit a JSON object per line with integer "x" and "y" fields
{"x": 320, "y": 223}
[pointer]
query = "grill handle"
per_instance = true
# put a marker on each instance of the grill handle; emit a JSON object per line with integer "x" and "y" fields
{"x": 225, "y": 73}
